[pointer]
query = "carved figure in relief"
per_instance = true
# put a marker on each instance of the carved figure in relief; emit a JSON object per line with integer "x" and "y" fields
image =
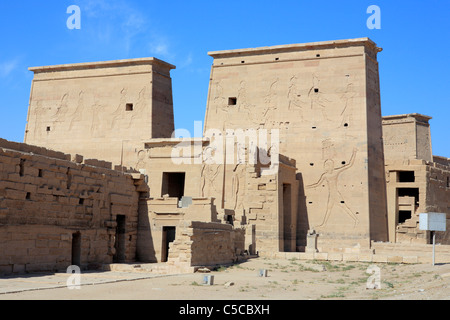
{"x": 79, "y": 111}
{"x": 237, "y": 187}
{"x": 141, "y": 160}
{"x": 97, "y": 123}
{"x": 271, "y": 104}
{"x": 218, "y": 98}
{"x": 318, "y": 101}
{"x": 294, "y": 97}
{"x": 61, "y": 110}
{"x": 335, "y": 198}
{"x": 38, "y": 115}
{"x": 209, "y": 173}
{"x": 245, "y": 109}
{"x": 117, "y": 114}
{"x": 139, "y": 108}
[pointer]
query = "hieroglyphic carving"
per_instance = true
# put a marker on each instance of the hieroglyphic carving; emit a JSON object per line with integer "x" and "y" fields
{"x": 335, "y": 198}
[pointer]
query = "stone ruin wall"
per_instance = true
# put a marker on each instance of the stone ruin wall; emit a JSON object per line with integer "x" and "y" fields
{"x": 206, "y": 244}
{"x": 45, "y": 198}
{"x": 410, "y": 165}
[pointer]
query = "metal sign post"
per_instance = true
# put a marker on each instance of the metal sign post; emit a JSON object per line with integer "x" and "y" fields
{"x": 433, "y": 222}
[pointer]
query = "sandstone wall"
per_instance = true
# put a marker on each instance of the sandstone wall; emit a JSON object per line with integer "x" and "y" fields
{"x": 206, "y": 244}
{"x": 46, "y": 199}
{"x": 101, "y": 109}
{"x": 324, "y": 99}
{"x": 429, "y": 190}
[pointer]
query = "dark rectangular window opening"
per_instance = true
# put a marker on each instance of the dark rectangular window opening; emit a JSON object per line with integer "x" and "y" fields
{"x": 448, "y": 182}
{"x": 28, "y": 196}
{"x": 40, "y": 173}
{"x": 173, "y": 184}
{"x": 48, "y": 129}
{"x": 232, "y": 101}
{"x": 81, "y": 201}
{"x": 404, "y": 215}
{"x": 316, "y": 90}
{"x": 129, "y": 107}
{"x": 406, "y": 176}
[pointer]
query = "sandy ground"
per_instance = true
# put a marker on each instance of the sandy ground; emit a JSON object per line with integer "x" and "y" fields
{"x": 286, "y": 280}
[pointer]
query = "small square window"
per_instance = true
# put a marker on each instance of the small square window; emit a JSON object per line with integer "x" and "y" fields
{"x": 232, "y": 101}
{"x": 129, "y": 107}
{"x": 48, "y": 129}
{"x": 316, "y": 90}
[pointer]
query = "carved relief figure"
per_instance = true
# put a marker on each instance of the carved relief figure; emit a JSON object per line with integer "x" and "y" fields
{"x": 139, "y": 109}
{"x": 294, "y": 97}
{"x": 245, "y": 109}
{"x": 141, "y": 160}
{"x": 61, "y": 110}
{"x": 97, "y": 123}
{"x": 330, "y": 176}
{"x": 38, "y": 115}
{"x": 117, "y": 114}
{"x": 210, "y": 171}
{"x": 271, "y": 103}
{"x": 78, "y": 114}
{"x": 238, "y": 187}
{"x": 218, "y": 98}
{"x": 347, "y": 100}
{"x": 318, "y": 101}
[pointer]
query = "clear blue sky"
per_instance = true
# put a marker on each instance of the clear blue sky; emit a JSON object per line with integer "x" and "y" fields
{"x": 414, "y": 66}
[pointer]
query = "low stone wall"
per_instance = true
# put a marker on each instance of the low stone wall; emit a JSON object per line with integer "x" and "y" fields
{"x": 378, "y": 253}
{"x": 206, "y": 244}
{"x": 46, "y": 199}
